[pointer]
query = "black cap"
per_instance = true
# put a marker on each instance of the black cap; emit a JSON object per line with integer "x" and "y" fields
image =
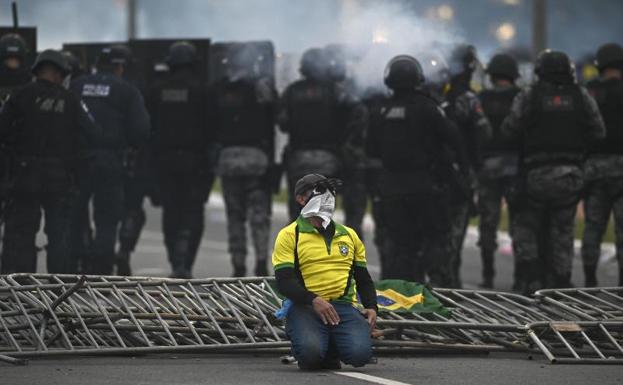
{"x": 114, "y": 55}
{"x": 311, "y": 181}
{"x": 53, "y": 57}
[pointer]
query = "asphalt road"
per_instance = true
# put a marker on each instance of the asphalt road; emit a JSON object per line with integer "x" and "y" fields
{"x": 213, "y": 261}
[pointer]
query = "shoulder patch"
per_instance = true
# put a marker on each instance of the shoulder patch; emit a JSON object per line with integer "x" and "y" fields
{"x": 396, "y": 113}
{"x": 96, "y": 90}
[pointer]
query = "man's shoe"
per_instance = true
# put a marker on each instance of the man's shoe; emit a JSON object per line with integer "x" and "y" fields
{"x": 239, "y": 271}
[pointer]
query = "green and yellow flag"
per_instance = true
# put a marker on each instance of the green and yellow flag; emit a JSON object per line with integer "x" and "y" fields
{"x": 407, "y": 297}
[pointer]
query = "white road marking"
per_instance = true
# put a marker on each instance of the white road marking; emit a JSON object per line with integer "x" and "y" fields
{"x": 369, "y": 378}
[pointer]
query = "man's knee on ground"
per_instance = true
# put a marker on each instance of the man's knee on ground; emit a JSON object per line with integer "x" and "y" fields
{"x": 357, "y": 354}
{"x": 310, "y": 355}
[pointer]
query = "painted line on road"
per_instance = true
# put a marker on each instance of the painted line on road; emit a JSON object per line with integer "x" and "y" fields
{"x": 369, "y": 378}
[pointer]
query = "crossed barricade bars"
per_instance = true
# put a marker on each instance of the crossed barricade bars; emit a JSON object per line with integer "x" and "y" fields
{"x": 47, "y": 315}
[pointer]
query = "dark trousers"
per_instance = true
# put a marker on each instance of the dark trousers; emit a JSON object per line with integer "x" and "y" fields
{"x": 103, "y": 186}
{"x": 313, "y": 342}
{"x": 133, "y": 216}
{"x": 23, "y": 219}
{"x": 184, "y": 192}
{"x": 412, "y": 225}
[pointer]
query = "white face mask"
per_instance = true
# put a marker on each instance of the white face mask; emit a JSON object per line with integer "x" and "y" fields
{"x": 322, "y": 206}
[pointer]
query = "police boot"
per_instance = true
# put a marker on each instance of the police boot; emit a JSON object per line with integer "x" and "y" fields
{"x": 590, "y": 275}
{"x": 239, "y": 264}
{"x": 488, "y": 271}
{"x": 621, "y": 277}
{"x": 562, "y": 280}
{"x": 530, "y": 278}
{"x": 261, "y": 269}
{"x": 122, "y": 261}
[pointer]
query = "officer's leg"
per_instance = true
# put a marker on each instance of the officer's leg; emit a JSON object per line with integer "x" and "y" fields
{"x": 107, "y": 209}
{"x": 309, "y": 336}
{"x": 132, "y": 222}
{"x": 617, "y": 193}
{"x": 236, "y": 209}
{"x": 200, "y": 189}
{"x": 355, "y": 199}
{"x": 57, "y": 211}
{"x": 23, "y": 217}
{"x": 525, "y": 247}
{"x": 352, "y": 336}
{"x": 259, "y": 205}
{"x": 561, "y": 225}
{"x": 81, "y": 234}
{"x": 597, "y": 207}
{"x": 458, "y": 230}
{"x": 489, "y": 203}
{"x": 403, "y": 228}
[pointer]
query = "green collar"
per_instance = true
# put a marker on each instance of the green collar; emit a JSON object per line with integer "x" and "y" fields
{"x": 306, "y": 227}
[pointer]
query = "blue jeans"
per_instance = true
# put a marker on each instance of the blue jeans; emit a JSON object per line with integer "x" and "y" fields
{"x": 314, "y": 343}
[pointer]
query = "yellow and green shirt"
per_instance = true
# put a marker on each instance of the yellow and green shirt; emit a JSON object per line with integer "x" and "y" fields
{"x": 324, "y": 266}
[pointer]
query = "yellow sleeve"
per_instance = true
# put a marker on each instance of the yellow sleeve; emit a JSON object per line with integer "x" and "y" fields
{"x": 283, "y": 254}
{"x": 360, "y": 249}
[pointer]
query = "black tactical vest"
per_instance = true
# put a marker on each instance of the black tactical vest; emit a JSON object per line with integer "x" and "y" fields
{"x": 496, "y": 104}
{"x": 242, "y": 120}
{"x": 558, "y": 120}
{"x": 179, "y": 113}
{"x": 609, "y": 96}
{"x": 405, "y": 142}
{"x": 313, "y": 117}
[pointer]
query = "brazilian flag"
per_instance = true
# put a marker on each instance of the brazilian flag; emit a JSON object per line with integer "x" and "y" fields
{"x": 407, "y": 297}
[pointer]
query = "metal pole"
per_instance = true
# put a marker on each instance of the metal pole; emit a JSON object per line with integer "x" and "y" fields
{"x": 131, "y": 19}
{"x": 15, "y": 16}
{"x": 539, "y": 26}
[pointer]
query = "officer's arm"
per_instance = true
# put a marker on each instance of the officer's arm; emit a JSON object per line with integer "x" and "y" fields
{"x": 596, "y": 127}
{"x": 517, "y": 119}
{"x": 8, "y": 115}
{"x": 373, "y": 135}
{"x": 138, "y": 120}
{"x": 283, "y": 114}
{"x": 448, "y": 132}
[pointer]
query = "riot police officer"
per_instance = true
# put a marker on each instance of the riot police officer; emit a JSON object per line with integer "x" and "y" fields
{"x": 184, "y": 148}
{"x": 50, "y": 128}
{"x": 319, "y": 117}
{"x": 464, "y": 109}
{"x": 243, "y": 107}
{"x": 604, "y": 166}
{"x": 554, "y": 120}
{"x": 407, "y": 133}
{"x": 499, "y": 163}
{"x": 13, "y": 68}
{"x": 119, "y": 112}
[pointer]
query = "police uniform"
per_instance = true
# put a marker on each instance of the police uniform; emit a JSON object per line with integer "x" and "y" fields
{"x": 407, "y": 135}
{"x": 604, "y": 175}
{"x": 464, "y": 108}
{"x": 244, "y": 117}
{"x": 497, "y": 175}
{"x": 120, "y": 114}
{"x": 50, "y": 128}
{"x": 555, "y": 119}
{"x": 184, "y": 146}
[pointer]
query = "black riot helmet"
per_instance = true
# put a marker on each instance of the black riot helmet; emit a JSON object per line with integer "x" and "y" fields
{"x": 13, "y": 45}
{"x": 503, "y": 66}
{"x": 314, "y": 64}
{"x": 337, "y": 63}
{"x": 74, "y": 64}
{"x": 609, "y": 56}
{"x": 403, "y": 72}
{"x": 113, "y": 56}
{"x": 181, "y": 53}
{"x": 463, "y": 60}
{"x": 554, "y": 66}
{"x": 50, "y": 56}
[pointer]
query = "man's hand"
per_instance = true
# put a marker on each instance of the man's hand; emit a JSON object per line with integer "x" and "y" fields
{"x": 326, "y": 311}
{"x": 370, "y": 314}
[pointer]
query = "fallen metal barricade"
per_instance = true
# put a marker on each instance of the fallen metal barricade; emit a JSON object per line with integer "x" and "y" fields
{"x": 588, "y": 304}
{"x": 47, "y": 315}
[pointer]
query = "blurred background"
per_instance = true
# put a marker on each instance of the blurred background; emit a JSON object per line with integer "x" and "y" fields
{"x": 521, "y": 26}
